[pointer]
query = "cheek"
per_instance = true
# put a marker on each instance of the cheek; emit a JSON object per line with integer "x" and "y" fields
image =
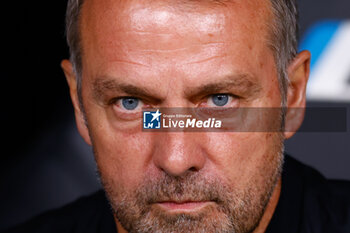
{"x": 239, "y": 157}
{"x": 122, "y": 157}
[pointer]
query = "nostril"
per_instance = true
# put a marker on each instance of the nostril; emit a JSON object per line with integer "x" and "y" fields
{"x": 193, "y": 169}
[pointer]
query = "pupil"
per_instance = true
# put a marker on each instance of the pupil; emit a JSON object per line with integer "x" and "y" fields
{"x": 130, "y": 103}
{"x": 220, "y": 100}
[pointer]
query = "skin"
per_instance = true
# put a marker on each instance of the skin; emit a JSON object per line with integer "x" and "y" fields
{"x": 170, "y": 52}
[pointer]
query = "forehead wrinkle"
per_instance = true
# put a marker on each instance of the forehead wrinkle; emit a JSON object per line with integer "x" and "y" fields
{"x": 130, "y": 62}
{"x": 193, "y": 46}
{"x": 204, "y": 60}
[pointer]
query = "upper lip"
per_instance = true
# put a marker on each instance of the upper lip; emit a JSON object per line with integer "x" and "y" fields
{"x": 181, "y": 201}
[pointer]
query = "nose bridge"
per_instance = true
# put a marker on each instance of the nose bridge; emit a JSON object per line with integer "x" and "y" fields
{"x": 176, "y": 153}
{"x": 175, "y": 79}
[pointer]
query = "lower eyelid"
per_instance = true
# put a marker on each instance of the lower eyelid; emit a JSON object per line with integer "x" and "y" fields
{"x": 126, "y": 115}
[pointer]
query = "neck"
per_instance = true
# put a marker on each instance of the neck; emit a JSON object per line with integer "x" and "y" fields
{"x": 270, "y": 209}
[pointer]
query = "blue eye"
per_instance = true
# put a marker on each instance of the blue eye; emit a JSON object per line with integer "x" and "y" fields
{"x": 220, "y": 99}
{"x": 130, "y": 103}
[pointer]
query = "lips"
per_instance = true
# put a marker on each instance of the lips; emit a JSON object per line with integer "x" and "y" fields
{"x": 183, "y": 205}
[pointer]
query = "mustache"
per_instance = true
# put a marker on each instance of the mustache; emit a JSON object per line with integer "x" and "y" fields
{"x": 189, "y": 187}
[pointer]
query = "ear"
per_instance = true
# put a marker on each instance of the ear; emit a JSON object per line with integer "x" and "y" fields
{"x": 298, "y": 73}
{"x": 79, "y": 114}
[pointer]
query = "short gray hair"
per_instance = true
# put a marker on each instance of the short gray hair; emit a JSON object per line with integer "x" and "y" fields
{"x": 284, "y": 33}
{"x": 283, "y": 39}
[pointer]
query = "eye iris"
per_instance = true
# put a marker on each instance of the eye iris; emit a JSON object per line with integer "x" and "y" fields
{"x": 220, "y": 100}
{"x": 130, "y": 103}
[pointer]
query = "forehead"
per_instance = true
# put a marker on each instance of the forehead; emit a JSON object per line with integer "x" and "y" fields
{"x": 112, "y": 22}
{"x": 173, "y": 40}
{"x": 114, "y": 11}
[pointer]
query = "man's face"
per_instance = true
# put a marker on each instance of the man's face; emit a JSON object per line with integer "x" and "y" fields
{"x": 160, "y": 54}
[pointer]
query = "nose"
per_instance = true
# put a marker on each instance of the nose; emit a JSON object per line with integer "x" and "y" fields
{"x": 177, "y": 153}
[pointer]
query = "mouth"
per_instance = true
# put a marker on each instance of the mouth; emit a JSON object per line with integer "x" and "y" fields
{"x": 183, "y": 206}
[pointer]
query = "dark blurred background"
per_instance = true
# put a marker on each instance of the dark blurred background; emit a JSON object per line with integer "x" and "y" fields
{"x": 44, "y": 163}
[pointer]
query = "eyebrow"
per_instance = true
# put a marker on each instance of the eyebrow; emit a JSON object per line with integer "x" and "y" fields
{"x": 243, "y": 83}
{"x": 107, "y": 84}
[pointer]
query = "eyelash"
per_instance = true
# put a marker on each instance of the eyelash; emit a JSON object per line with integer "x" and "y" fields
{"x": 229, "y": 94}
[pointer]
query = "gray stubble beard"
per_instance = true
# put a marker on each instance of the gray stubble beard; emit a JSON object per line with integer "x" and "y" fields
{"x": 234, "y": 211}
